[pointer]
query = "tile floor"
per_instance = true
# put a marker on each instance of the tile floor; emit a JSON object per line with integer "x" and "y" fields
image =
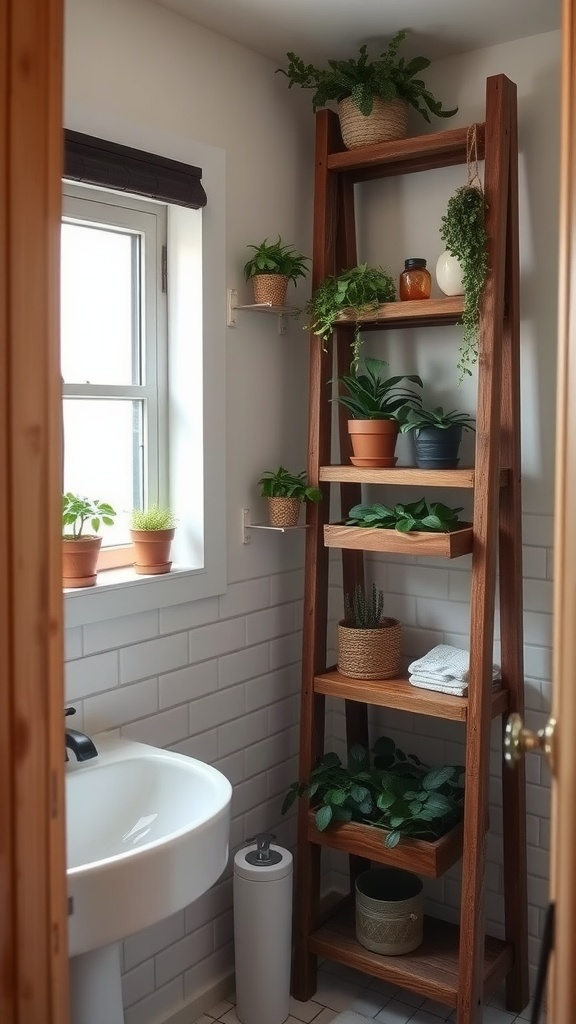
{"x": 340, "y": 988}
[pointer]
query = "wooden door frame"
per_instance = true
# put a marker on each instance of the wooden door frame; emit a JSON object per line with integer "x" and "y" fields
{"x": 33, "y": 921}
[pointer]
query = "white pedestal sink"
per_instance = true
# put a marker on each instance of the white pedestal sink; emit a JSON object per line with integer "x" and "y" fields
{"x": 147, "y": 834}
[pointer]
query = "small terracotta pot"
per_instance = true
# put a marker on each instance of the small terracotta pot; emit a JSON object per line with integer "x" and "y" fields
{"x": 370, "y": 653}
{"x": 152, "y": 551}
{"x": 270, "y": 288}
{"x": 79, "y": 561}
{"x": 283, "y": 512}
{"x": 373, "y": 440}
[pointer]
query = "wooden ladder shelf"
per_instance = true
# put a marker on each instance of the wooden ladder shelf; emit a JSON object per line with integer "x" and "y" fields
{"x": 456, "y": 965}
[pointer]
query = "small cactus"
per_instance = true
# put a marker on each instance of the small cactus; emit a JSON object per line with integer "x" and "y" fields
{"x": 362, "y": 611}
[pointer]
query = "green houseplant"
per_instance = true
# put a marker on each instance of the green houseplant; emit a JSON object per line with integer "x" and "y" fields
{"x": 378, "y": 405}
{"x": 373, "y": 95}
{"x": 420, "y": 516}
{"x": 385, "y": 788}
{"x": 152, "y": 532}
{"x": 368, "y": 643}
{"x": 80, "y": 549}
{"x": 271, "y": 268}
{"x": 463, "y": 231}
{"x": 358, "y": 290}
{"x": 286, "y": 492}
{"x": 437, "y": 436}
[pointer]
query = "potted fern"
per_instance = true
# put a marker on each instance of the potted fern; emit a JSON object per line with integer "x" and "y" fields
{"x": 368, "y": 643}
{"x": 286, "y": 493}
{"x": 358, "y": 290}
{"x": 152, "y": 532}
{"x": 271, "y": 268}
{"x": 80, "y": 549}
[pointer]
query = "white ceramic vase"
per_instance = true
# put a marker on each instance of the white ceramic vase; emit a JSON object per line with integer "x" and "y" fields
{"x": 449, "y": 274}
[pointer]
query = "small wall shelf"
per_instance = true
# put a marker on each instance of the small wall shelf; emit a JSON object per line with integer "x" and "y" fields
{"x": 247, "y": 526}
{"x": 258, "y": 307}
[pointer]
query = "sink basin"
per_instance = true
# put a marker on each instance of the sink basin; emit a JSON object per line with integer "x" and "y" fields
{"x": 147, "y": 833}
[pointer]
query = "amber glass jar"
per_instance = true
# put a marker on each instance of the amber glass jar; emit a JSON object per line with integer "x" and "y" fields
{"x": 415, "y": 280}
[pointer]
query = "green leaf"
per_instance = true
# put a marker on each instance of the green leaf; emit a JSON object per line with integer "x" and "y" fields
{"x": 359, "y": 793}
{"x": 437, "y": 777}
{"x": 392, "y": 839}
{"x": 323, "y": 817}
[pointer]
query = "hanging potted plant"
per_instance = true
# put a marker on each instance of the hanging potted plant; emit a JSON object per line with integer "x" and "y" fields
{"x": 358, "y": 290}
{"x": 368, "y": 643}
{"x": 152, "y": 532}
{"x": 378, "y": 406}
{"x": 80, "y": 550}
{"x": 373, "y": 96}
{"x": 271, "y": 268}
{"x": 437, "y": 436}
{"x": 286, "y": 493}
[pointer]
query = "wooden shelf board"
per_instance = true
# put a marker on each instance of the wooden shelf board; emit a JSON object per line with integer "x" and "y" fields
{"x": 417, "y": 313}
{"x": 431, "y": 970}
{"x": 401, "y": 695}
{"x": 434, "y": 545}
{"x": 408, "y": 476}
{"x": 431, "y": 859}
{"x": 402, "y": 156}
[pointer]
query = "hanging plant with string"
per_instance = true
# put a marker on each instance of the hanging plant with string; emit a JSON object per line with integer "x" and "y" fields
{"x": 463, "y": 232}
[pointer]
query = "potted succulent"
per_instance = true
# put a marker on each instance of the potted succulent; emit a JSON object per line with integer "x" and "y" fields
{"x": 437, "y": 436}
{"x": 286, "y": 492}
{"x": 378, "y": 406}
{"x": 372, "y": 95}
{"x": 368, "y": 644}
{"x": 152, "y": 532}
{"x": 80, "y": 550}
{"x": 358, "y": 290}
{"x": 270, "y": 269}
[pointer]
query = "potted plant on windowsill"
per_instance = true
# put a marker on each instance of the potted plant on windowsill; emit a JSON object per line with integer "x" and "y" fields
{"x": 368, "y": 643}
{"x": 437, "y": 436}
{"x": 358, "y": 290}
{"x": 271, "y": 268}
{"x": 286, "y": 492}
{"x": 373, "y": 96}
{"x": 80, "y": 550}
{"x": 152, "y": 532}
{"x": 378, "y": 407}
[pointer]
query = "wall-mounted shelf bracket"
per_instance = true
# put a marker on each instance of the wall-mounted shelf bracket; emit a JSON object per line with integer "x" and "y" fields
{"x": 247, "y": 526}
{"x": 258, "y": 307}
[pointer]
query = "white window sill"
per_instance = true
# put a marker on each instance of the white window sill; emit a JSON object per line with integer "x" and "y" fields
{"x": 121, "y": 592}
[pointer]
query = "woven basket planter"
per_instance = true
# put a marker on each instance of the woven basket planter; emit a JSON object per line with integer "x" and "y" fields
{"x": 283, "y": 512}
{"x": 389, "y": 911}
{"x": 388, "y": 121}
{"x": 270, "y": 288}
{"x": 370, "y": 653}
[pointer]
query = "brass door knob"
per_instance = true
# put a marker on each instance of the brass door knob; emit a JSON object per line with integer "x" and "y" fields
{"x": 519, "y": 741}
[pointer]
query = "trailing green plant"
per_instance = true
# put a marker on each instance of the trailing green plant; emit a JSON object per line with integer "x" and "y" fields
{"x": 358, "y": 290}
{"x": 362, "y": 79}
{"x": 463, "y": 232}
{"x": 77, "y": 512}
{"x": 363, "y": 610}
{"x": 276, "y": 258}
{"x": 155, "y": 517}
{"x": 371, "y": 396}
{"x": 280, "y": 483}
{"x": 419, "y": 419}
{"x": 423, "y": 516}
{"x": 386, "y": 788}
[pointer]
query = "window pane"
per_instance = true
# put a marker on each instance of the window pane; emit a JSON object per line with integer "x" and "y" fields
{"x": 100, "y": 325}
{"x": 103, "y": 457}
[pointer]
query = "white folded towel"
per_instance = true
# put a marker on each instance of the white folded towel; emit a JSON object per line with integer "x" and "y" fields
{"x": 445, "y": 665}
{"x": 456, "y": 690}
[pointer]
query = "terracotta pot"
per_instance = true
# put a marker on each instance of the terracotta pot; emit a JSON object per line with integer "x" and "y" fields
{"x": 370, "y": 653}
{"x": 152, "y": 551}
{"x": 373, "y": 442}
{"x": 270, "y": 288}
{"x": 79, "y": 561}
{"x": 283, "y": 512}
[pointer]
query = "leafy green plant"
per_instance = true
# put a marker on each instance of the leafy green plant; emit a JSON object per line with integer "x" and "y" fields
{"x": 280, "y": 483}
{"x": 370, "y": 396}
{"x": 276, "y": 258}
{"x": 155, "y": 517}
{"x": 418, "y": 419}
{"x": 77, "y": 512}
{"x": 423, "y": 516}
{"x": 363, "y": 610}
{"x": 386, "y": 788}
{"x": 463, "y": 232}
{"x": 358, "y": 290}
{"x": 388, "y": 77}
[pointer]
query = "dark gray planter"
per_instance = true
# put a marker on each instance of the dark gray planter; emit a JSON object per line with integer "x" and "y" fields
{"x": 437, "y": 448}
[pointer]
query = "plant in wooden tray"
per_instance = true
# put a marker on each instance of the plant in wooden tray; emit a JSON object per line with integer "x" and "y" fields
{"x": 437, "y": 435}
{"x": 271, "y": 268}
{"x": 358, "y": 290}
{"x": 286, "y": 492}
{"x": 152, "y": 532}
{"x": 369, "y": 644}
{"x": 421, "y": 516}
{"x": 80, "y": 549}
{"x": 386, "y": 788}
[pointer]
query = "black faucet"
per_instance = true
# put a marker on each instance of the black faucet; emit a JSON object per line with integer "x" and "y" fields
{"x": 80, "y": 744}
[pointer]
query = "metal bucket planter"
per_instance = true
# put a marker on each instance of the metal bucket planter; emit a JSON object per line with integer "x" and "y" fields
{"x": 437, "y": 448}
{"x": 389, "y": 911}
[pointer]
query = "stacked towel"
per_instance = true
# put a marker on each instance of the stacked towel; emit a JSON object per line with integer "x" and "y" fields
{"x": 444, "y": 668}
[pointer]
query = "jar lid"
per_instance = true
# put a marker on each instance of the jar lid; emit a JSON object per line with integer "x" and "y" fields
{"x": 414, "y": 262}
